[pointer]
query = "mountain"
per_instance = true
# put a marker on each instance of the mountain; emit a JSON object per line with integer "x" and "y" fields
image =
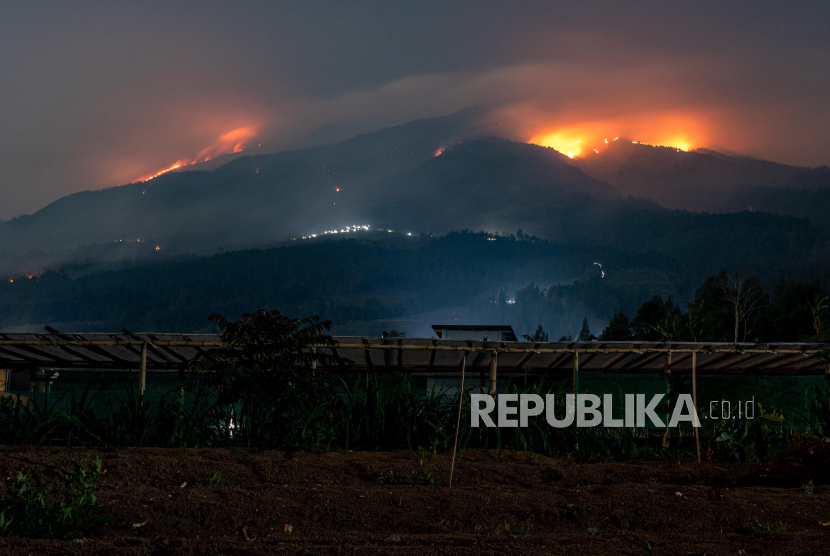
{"x": 421, "y": 175}
{"x": 813, "y": 205}
{"x": 698, "y": 180}
{"x": 493, "y": 184}
{"x": 434, "y": 175}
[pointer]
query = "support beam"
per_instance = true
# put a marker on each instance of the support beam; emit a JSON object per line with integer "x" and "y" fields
{"x": 177, "y": 356}
{"x": 525, "y": 359}
{"x": 676, "y": 360}
{"x": 613, "y": 361}
{"x": 432, "y": 357}
{"x": 556, "y": 360}
{"x": 735, "y": 362}
{"x": 494, "y": 371}
{"x": 142, "y": 372}
{"x": 587, "y": 359}
{"x": 715, "y": 359}
{"x": 694, "y": 401}
{"x": 667, "y": 372}
{"x": 367, "y": 355}
{"x": 811, "y": 362}
{"x": 642, "y": 361}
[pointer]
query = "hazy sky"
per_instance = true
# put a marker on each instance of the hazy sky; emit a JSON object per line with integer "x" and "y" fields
{"x": 100, "y": 94}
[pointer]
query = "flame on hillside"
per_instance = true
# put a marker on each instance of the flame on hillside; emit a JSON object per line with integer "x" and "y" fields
{"x": 233, "y": 141}
{"x": 590, "y": 137}
{"x": 575, "y": 143}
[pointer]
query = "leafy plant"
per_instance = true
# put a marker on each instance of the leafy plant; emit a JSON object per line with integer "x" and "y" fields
{"x": 427, "y": 467}
{"x": 386, "y": 479}
{"x": 67, "y": 509}
{"x": 213, "y": 479}
{"x": 769, "y": 527}
{"x": 749, "y": 439}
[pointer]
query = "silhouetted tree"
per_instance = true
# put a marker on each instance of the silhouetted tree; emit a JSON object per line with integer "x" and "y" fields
{"x": 619, "y": 329}
{"x": 263, "y": 368}
{"x": 539, "y": 336}
{"x": 585, "y": 332}
{"x": 656, "y": 320}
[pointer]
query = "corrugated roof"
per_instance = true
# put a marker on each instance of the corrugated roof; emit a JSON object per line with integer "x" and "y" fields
{"x": 104, "y": 351}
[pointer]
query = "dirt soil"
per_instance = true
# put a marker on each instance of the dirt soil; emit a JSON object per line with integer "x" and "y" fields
{"x": 501, "y": 503}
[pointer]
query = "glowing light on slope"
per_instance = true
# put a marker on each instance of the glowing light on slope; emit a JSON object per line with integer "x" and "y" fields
{"x": 178, "y": 164}
{"x": 234, "y": 141}
{"x": 439, "y": 152}
{"x": 566, "y": 142}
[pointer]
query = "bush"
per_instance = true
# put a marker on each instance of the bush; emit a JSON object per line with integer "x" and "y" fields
{"x": 66, "y": 510}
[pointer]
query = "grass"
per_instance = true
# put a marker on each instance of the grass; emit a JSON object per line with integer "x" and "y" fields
{"x": 352, "y": 412}
{"x": 386, "y": 478}
{"x": 769, "y": 527}
{"x": 213, "y": 479}
{"x": 66, "y": 509}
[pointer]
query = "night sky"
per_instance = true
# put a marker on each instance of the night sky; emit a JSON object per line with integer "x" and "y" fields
{"x": 100, "y": 94}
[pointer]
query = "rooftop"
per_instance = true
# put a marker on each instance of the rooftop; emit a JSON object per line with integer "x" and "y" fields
{"x": 172, "y": 352}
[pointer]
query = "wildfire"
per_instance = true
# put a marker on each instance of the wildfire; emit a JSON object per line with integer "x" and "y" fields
{"x": 178, "y": 164}
{"x": 575, "y": 143}
{"x": 233, "y": 141}
{"x": 592, "y": 137}
{"x": 439, "y": 152}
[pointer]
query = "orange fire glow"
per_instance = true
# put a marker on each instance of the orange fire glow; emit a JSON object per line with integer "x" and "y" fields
{"x": 581, "y": 136}
{"x": 574, "y": 142}
{"x": 178, "y": 164}
{"x": 231, "y": 142}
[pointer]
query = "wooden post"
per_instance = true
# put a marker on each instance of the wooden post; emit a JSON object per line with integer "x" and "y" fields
{"x": 494, "y": 371}
{"x": 668, "y": 398}
{"x": 142, "y": 373}
{"x": 576, "y": 372}
{"x": 694, "y": 400}
{"x": 458, "y": 421}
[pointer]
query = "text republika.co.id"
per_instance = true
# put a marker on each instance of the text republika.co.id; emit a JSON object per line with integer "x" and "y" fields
{"x": 589, "y": 410}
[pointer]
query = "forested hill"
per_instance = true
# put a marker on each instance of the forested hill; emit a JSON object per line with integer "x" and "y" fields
{"x": 376, "y": 276}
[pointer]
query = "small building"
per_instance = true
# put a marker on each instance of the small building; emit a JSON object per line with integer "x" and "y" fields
{"x": 475, "y": 332}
